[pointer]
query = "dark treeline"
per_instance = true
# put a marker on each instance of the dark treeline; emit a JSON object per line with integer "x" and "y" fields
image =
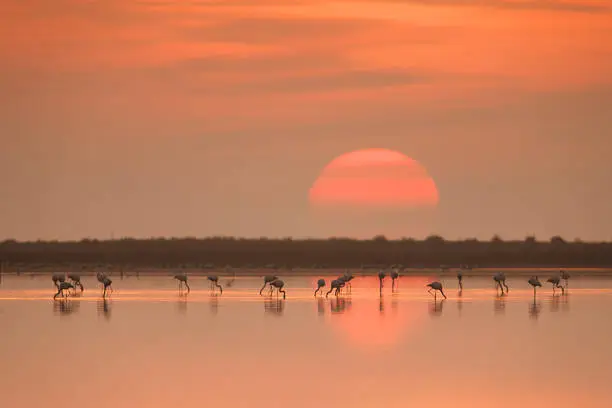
{"x": 307, "y": 253}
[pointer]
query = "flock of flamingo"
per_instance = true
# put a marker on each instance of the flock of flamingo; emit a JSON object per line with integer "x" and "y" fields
{"x": 343, "y": 282}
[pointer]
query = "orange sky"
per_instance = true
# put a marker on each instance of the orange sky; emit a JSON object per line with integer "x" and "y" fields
{"x": 165, "y": 117}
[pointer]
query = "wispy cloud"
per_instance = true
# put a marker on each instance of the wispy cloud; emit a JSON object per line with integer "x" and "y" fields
{"x": 553, "y": 5}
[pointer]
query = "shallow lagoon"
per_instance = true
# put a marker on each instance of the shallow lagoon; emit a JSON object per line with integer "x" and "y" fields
{"x": 148, "y": 346}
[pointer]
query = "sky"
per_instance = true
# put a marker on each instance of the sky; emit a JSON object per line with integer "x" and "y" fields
{"x": 199, "y": 118}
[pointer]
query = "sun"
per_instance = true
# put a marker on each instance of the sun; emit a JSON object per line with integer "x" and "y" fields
{"x": 374, "y": 178}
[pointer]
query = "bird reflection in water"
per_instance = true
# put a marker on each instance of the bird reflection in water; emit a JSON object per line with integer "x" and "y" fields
{"x": 460, "y": 301}
{"x": 534, "y": 309}
{"x": 339, "y": 305}
{"x": 274, "y": 306}
{"x": 435, "y": 308}
{"x": 499, "y": 304}
{"x": 394, "y": 302}
{"x": 321, "y": 306}
{"x": 104, "y": 308}
{"x": 65, "y": 306}
{"x": 181, "y": 304}
{"x": 214, "y": 303}
{"x": 559, "y": 302}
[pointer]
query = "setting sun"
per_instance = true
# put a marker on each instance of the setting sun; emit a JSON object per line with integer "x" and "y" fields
{"x": 375, "y": 178}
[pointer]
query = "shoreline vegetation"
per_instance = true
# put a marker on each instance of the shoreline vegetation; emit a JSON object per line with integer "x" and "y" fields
{"x": 304, "y": 256}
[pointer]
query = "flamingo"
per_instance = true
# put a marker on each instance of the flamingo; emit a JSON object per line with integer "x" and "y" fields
{"x": 278, "y": 284}
{"x": 556, "y": 280}
{"x": 436, "y": 287}
{"x": 565, "y": 276}
{"x": 76, "y": 281}
{"x": 460, "y": 279}
{"x": 381, "y": 277}
{"x": 182, "y": 279}
{"x": 335, "y": 285}
{"x": 500, "y": 281}
{"x": 342, "y": 280}
{"x": 320, "y": 284}
{"x": 394, "y": 276}
{"x": 58, "y": 278}
{"x": 62, "y": 287}
{"x": 535, "y": 282}
{"x": 104, "y": 280}
{"x": 214, "y": 283}
{"x": 347, "y": 278}
{"x": 268, "y": 279}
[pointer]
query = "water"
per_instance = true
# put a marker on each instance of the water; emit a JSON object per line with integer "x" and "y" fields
{"x": 148, "y": 346}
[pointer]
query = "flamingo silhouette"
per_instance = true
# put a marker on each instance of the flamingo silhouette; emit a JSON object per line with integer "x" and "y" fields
{"x": 182, "y": 279}
{"x": 535, "y": 282}
{"x": 214, "y": 283}
{"x": 320, "y": 284}
{"x": 556, "y": 280}
{"x": 394, "y": 276}
{"x": 342, "y": 280}
{"x": 347, "y": 278}
{"x": 381, "y": 278}
{"x": 268, "y": 279}
{"x": 58, "y": 278}
{"x": 500, "y": 281}
{"x": 62, "y": 287}
{"x": 279, "y": 285}
{"x": 335, "y": 285}
{"x": 76, "y": 281}
{"x": 460, "y": 279}
{"x": 106, "y": 282}
{"x": 565, "y": 276}
{"x": 436, "y": 287}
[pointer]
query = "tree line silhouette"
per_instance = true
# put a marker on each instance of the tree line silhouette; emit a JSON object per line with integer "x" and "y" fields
{"x": 433, "y": 251}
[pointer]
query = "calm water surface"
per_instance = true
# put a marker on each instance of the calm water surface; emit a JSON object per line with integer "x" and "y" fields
{"x": 148, "y": 346}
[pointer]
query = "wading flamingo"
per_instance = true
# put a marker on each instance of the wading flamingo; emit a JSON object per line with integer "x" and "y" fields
{"x": 267, "y": 280}
{"x": 535, "y": 282}
{"x": 320, "y": 284}
{"x": 182, "y": 279}
{"x": 500, "y": 281}
{"x": 279, "y": 285}
{"x": 214, "y": 283}
{"x": 436, "y": 287}
{"x": 335, "y": 285}
{"x": 556, "y": 283}
{"x": 63, "y": 286}
{"x": 76, "y": 281}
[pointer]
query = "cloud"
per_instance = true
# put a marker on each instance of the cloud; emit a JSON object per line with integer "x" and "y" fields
{"x": 329, "y": 82}
{"x": 585, "y": 6}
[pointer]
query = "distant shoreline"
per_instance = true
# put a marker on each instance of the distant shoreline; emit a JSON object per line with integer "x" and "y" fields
{"x": 150, "y": 272}
{"x": 161, "y": 254}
